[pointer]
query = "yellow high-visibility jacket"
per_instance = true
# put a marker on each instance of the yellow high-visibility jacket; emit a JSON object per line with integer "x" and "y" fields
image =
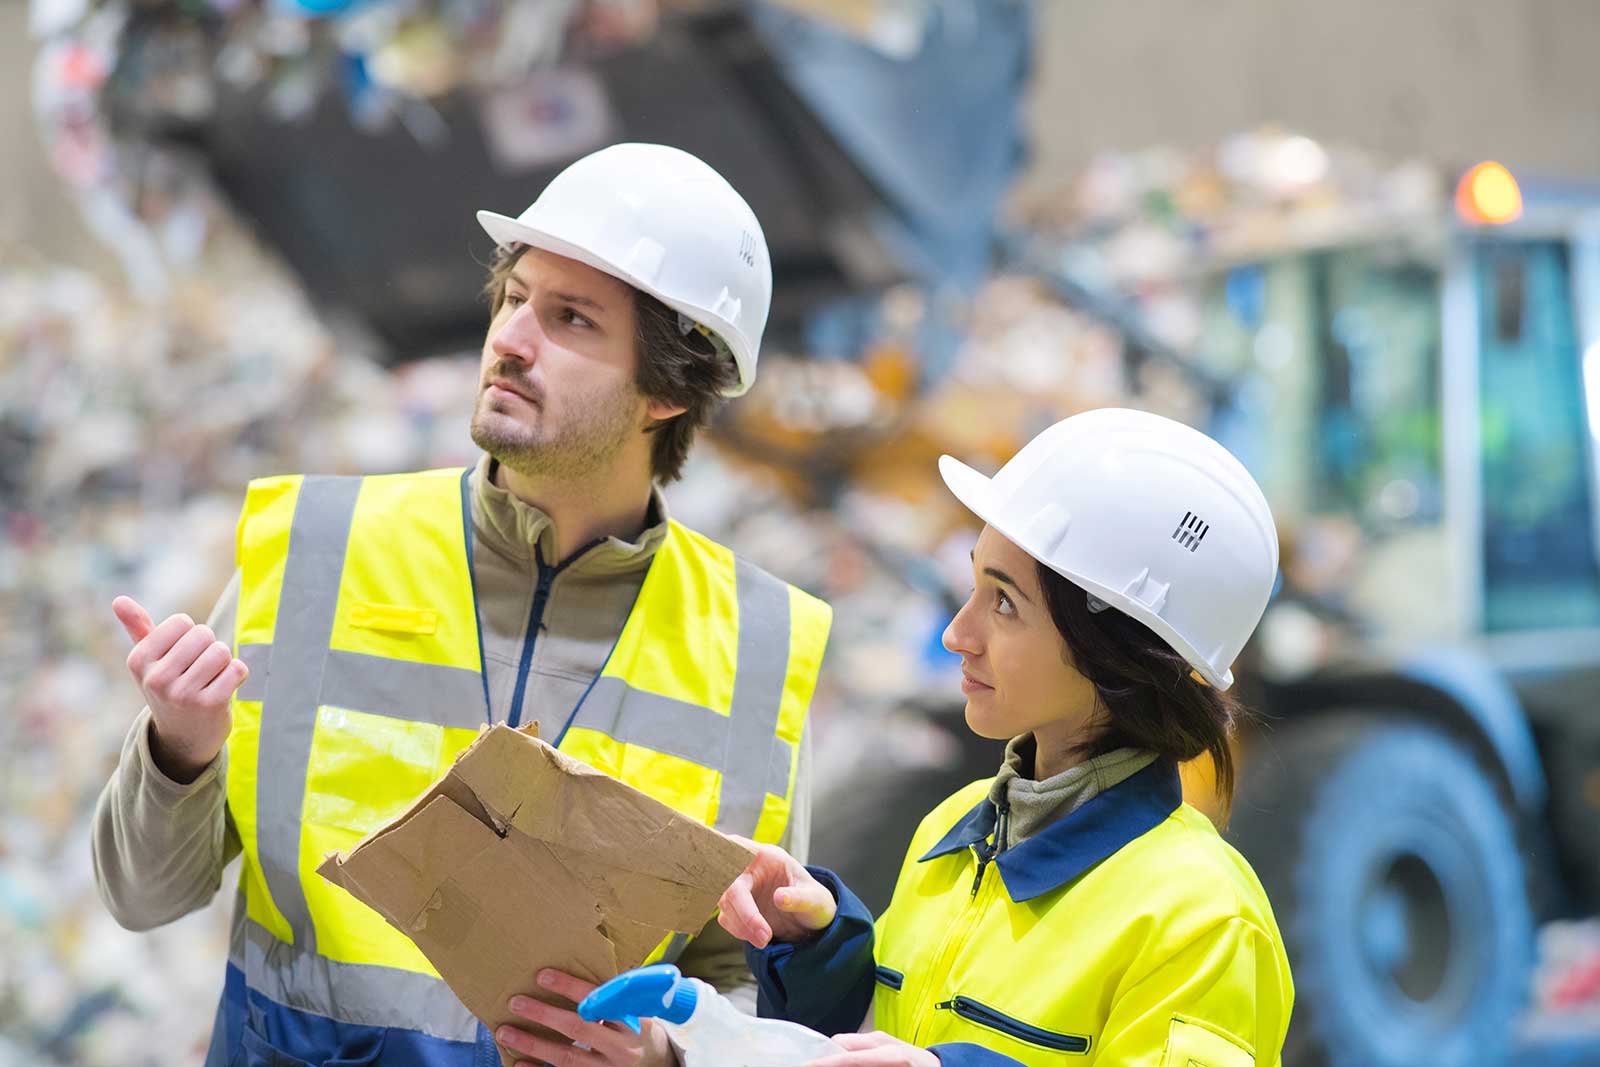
{"x": 1127, "y": 932}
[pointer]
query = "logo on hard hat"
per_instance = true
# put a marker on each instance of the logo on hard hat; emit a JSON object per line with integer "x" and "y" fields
{"x": 747, "y": 248}
{"x": 1191, "y": 531}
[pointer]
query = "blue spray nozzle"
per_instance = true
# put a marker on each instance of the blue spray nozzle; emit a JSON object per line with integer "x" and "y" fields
{"x": 655, "y": 992}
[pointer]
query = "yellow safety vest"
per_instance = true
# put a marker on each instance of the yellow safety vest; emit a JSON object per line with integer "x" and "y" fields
{"x": 1128, "y": 933}
{"x": 357, "y": 616}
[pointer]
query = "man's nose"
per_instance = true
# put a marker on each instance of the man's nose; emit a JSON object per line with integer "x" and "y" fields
{"x": 519, "y": 337}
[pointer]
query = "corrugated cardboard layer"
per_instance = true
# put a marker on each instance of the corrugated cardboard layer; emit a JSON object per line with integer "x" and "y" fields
{"x": 522, "y": 858}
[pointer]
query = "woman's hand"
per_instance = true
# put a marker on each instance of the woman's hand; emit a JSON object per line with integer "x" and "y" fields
{"x": 609, "y": 1044}
{"x": 775, "y": 899}
{"x": 876, "y": 1049}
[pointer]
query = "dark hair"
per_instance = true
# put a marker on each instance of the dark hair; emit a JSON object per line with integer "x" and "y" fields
{"x": 680, "y": 368}
{"x": 683, "y": 369}
{"x": 1147, "y": 696}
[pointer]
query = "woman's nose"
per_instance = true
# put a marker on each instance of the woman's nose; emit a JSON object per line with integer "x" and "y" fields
{"x": 958, "y": 636}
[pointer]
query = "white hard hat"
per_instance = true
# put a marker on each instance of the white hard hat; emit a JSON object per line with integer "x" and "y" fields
{"x": 663, "y": 221}
{"x": 1149, "y": 516}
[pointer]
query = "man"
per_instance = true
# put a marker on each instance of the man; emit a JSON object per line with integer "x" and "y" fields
{"x": 375, "y": 624}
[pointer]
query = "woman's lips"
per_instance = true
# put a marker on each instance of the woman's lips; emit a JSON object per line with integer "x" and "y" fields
{"x": 969, "y": 684}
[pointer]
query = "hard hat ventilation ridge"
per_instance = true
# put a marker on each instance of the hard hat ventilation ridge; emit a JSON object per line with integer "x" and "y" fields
{"x": 1191, "y": 531}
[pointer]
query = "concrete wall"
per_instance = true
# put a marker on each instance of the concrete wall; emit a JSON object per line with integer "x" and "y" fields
{"x": 1453, "y": 81}
{"x": 34, "y": 212}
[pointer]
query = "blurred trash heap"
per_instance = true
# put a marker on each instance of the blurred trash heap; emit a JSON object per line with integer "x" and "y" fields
{"x": 136, "y": 409}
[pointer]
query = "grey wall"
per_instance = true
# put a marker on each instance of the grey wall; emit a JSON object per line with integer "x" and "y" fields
{"x": 1453, "y": 81}
{"x": 35, "y": 215}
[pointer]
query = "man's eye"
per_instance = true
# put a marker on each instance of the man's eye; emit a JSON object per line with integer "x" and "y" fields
{"x": 574, "y": 318}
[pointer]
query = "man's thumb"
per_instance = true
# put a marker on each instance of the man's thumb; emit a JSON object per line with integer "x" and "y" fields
{"x": 134, "y": 618}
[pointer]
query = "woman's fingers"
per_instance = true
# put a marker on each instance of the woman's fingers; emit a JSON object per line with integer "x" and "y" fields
{"x": 739, "y": 914}
{"x": 870, "y": 1057}
{"x": 775, "y": 898}
{"x": 876, "y": 1049}
{"x": 809, "y": 903}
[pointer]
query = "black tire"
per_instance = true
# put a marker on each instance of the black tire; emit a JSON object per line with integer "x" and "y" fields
{"x": 1392, "y": 865}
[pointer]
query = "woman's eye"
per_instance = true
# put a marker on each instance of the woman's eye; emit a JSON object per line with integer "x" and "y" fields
{"x": 515, "y": 300}
{"x": 1004, "y": 605}
{"x": 574, "y": 318}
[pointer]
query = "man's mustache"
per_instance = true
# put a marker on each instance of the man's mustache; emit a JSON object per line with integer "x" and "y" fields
{"x": 507, "y": 373}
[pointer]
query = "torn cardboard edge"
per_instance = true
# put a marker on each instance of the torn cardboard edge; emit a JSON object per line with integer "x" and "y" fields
{"x": 521, "y": 857}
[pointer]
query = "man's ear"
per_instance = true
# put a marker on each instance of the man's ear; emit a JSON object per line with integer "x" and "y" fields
{"x": 661, "y": 410}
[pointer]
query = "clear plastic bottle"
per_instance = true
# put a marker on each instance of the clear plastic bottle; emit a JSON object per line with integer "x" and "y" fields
{"x": 709, "y": 1030}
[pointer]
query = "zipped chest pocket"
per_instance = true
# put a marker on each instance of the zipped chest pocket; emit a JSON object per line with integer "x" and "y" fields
{"x": 983, "y": 1015}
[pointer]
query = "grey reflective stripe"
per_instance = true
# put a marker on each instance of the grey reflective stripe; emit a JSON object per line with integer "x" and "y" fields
{"x": 397, "y": 688}
{"x": 310, "y": 593}
{"x": 678, "y": 728}
{"x": 744, "y": 746}
{"x": 256, "y": 658}
{"x": 635, "y": 717}
{"x": 781, "y": 767}
{"x": 757, "y": 697}
{"x": 675, "y": 946}
{"x": 236, "y": 935}
{"x": 352, "y": 992}
{"x": 403, "y": 689}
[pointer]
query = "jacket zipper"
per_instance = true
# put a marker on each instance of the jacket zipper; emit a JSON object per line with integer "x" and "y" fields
{"x": 890, "y": 977}
{"x": 985, "y": 853}
{"x": 988, "y": 851}
{"x": 984, "y": 1015}
{"x": 962, "y": 928}
{"x": 541, "y": 597}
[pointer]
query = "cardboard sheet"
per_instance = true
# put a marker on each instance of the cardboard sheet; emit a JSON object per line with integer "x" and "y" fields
{"x": 522, "y": 858}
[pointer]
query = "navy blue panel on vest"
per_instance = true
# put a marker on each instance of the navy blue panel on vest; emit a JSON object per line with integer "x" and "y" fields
{"x": 253, "y": 1031}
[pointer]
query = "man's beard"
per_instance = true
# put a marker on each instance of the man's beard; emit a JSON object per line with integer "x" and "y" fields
{"x": 600, "y": 424}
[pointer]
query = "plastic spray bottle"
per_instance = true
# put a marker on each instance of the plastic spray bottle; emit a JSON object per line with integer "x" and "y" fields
{"x": 709, "y": 1030}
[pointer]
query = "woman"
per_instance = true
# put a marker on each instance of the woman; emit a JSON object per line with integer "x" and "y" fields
{"x": 1072, "y": 909}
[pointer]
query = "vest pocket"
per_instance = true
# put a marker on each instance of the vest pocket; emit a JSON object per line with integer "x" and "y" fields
{"x": 254, "y": 1051}
{"x": 393, "y": 618}
{"x": 888, "y": 976}
{"x": 987, "y": 1017}
{"x": 1192, "y": 1043}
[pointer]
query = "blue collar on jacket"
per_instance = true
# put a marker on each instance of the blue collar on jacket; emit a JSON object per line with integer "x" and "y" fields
{"x": 1068, "y": 847}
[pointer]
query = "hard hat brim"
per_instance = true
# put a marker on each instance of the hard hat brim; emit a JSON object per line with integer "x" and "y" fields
{"x": 977, "y": 494}
{"x": 506, "y": 231}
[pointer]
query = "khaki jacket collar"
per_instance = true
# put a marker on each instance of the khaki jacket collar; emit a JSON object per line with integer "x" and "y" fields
{"x": 517, "y": 530}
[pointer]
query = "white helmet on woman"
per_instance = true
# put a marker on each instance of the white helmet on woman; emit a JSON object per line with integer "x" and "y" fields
{"x": 663, "y": 221}
{"x": 1149, "y": 516}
